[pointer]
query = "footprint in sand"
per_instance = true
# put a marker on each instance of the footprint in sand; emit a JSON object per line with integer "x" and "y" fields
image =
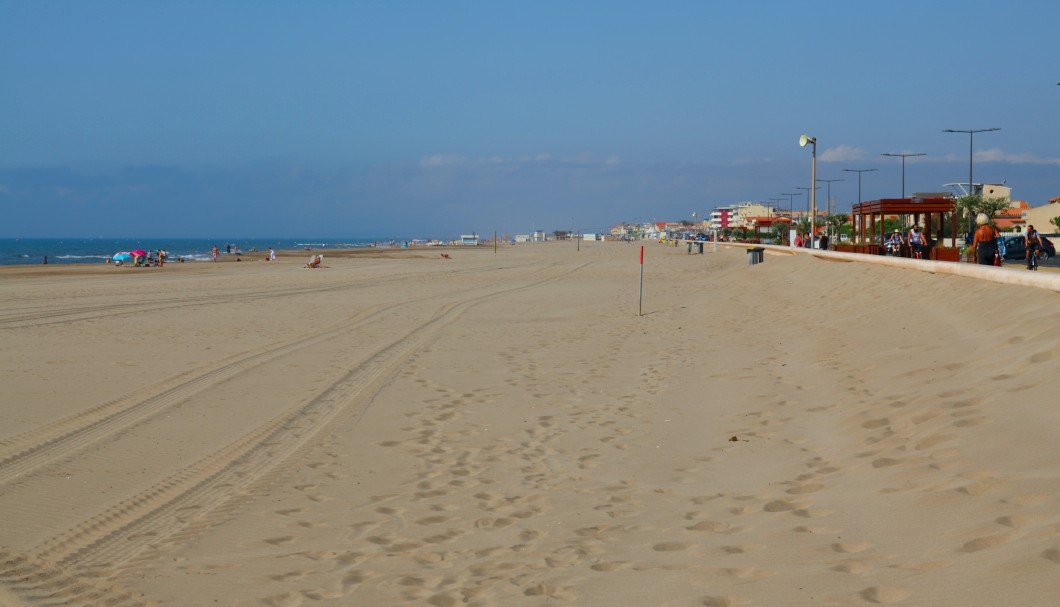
{"x": 1017, "y": 521}
{"x": 982, "y": 543}
{"x": 611, "y": 566}
{"x": 884, "y": 594}
{"x": 1052, "y": 554}
{"x": 722, "y": 601}
{"x": 815, "y": 529}
{"x": 671, "y": 546}
{"x": 853, "y": 567}
{"x": 779, "y": 506}
{"x": 807, "y": 488}
{"x": 741, "y": 548}
{"x": 287, "y": 599}
{"x": 851, "y": 547}
{"x": 1026, "y": 499}
{"x": 712, "y": 526}
{"x": 1041, "y": 357}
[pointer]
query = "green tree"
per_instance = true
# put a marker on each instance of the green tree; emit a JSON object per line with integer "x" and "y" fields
{"x": 1056, "y": 222}
{"x": 836, "y": 222}
{"x": 972, "y": 205}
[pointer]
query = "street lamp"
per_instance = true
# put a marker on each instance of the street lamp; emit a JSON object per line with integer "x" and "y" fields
{"x": 859, "y": 172}
{"x": 803, "y": 140}
{"x": 791, "y": 202}
{"x": 828, "y": 204}
{"x": 903, "y": 156}
{"x": 807, "y": 196}
{"x": 971, "y": 134}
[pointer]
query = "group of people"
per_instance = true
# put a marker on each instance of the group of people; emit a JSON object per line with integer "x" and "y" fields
{"x": 805, "y": 241}
{"x": 987, "y": 244}
{"x": 916, "y": 240}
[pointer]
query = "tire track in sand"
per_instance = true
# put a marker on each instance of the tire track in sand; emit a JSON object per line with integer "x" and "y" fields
{"x": 34, "y": 315}
{"x": 161, "y": 510}
{"x": 40, "y": 446}
{"x": 33, "y": 449}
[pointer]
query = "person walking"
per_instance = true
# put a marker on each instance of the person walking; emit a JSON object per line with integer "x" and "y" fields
{"x": 984, "y": 241}
{"x": 215, "y": 252}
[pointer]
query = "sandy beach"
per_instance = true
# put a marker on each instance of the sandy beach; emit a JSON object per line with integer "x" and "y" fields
{"x": 505, "y": 429}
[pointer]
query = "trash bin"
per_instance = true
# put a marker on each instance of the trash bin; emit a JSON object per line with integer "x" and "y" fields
{"x": 755, "y": 255}
{"x": 700, "y": 245}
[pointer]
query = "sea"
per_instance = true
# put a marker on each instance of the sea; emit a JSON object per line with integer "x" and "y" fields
{"x": 24, "y": 251}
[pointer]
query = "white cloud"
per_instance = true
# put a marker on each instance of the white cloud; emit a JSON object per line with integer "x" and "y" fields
{"x": 842, "y": 153}
{"x": 998, "y": 155}
{"x": 442, "y": 160}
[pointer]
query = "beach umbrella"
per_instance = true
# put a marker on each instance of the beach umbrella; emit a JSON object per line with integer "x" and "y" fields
{"x": 122, "y": 256}
{"x": 139, "y": 253}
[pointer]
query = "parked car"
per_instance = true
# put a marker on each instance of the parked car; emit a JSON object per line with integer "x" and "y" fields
{"x": 1015, "y": 249}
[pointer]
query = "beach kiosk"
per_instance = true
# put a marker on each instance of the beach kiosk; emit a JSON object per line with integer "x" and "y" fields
{"x": 935, "y": 216}
{"x": 469, "y": 240}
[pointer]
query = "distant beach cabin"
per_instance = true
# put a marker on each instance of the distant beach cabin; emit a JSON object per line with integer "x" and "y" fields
{"x": 469, "y": 240}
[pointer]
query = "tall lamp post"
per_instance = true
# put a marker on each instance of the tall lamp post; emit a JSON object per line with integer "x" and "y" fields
{"x": 903, "y": 157}
{"x": 859, "y": 172}
{"x": 971, "y": 134}
{"x": 803, "y": 140}
{"x": 828, "y": 203}
{"x": 807, "y": 196}
{"x": 791, "y": 203}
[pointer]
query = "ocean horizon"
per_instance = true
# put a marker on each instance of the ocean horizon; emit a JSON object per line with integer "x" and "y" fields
{"x": 28, "y": 251}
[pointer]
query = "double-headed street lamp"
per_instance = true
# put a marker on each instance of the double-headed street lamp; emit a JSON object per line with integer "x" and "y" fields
{"x": 807, "y": 196}
{"x": 828, "y": 204}
{"x": 859, "y": 172}
{"x": 791, "y": 203}
{"x": 971, "y": 134}
{"x": 903, "y": 156}
{"x": 803, "y": 140}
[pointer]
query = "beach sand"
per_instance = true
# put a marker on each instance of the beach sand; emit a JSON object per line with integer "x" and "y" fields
{"x": 505, "y": 429}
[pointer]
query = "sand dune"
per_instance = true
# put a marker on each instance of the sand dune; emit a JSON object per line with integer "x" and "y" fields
{"x": 505, "y": 429}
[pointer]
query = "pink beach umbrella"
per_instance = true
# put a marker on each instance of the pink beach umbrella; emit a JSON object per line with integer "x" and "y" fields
{"x": 139, "y": 253}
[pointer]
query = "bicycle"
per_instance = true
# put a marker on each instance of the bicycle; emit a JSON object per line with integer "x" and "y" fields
{"x": 1032, "y": 259}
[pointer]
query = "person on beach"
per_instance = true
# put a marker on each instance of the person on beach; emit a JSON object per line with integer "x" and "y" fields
{"x": 823, "y": 241}
{"x": 798, "y": 240}
{"x": 1032, "y": 243}
{"x": 916, "y": 242}
{"x": 215, "y": 252}
{"x": 272, "y": 254}
{"x": 984, "y": 241}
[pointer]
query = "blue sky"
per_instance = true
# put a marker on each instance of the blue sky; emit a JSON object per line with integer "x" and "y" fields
{"x": 431, "y": 119}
